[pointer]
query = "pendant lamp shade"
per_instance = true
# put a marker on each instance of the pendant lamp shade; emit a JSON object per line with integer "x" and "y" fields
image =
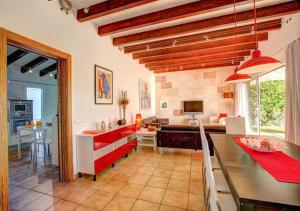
{"x": 237, "y": 78}
{"x": 258, "y": 64}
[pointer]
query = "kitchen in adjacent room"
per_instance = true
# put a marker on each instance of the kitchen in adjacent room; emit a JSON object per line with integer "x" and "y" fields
{"x": 32, "y": 119}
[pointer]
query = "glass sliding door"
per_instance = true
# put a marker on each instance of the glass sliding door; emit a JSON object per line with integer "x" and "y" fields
{"x": 272, "y": 103}
{"x": 267, "y": 104}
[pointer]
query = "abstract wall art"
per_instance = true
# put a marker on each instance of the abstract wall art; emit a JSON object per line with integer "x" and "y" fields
{"x": 103, "y": 85}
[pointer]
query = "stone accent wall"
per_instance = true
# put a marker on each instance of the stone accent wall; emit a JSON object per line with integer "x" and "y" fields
{"x": 207, "y": 85}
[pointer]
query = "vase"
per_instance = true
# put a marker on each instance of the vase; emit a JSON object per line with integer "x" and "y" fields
{"x": 124, "y": 115}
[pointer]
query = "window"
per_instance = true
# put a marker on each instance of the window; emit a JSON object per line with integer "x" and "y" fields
{"x": 267, "y": 103}
{"x": 36, "y": 95}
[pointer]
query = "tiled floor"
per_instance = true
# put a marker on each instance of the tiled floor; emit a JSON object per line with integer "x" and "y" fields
{"x": 164, "y": 180}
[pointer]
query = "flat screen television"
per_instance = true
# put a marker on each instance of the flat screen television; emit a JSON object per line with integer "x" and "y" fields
{"x": 193, "y": 107}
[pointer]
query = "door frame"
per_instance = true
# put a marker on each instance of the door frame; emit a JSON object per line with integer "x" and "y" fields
{"x": 64, "y": 78}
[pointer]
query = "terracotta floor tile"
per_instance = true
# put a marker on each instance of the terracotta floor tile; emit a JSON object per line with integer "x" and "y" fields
{"x": 112, "y": 186}
{"x": 152, "y": 194}
{"x": 24, "y": 199}
{"x": 146, "y": 170}
{"x": 42, "y": 203}
{"x": 168, "y": 208}
{"x": 140, "y": 179}
{"x": 63, "y": 205}
{"x": 123, "y": 177}
{"x": 131, "y": 190}
{"x": 98, "y": 200}
{"x": 152, "y": 163}
{"x": 75, "y": 194}
{"x": 162, "y": 172}
{"x": 166, "y": 166}
{"x": 175, "y": 199}
{"x": 180, "y": 175}
{"x": 196, "y": 176}
{"x": 195, "y": 202}
{"x": 141, "y": 205}
{"x": 83, "y": 208}
{"x": 144, "y": 175}
{"x": 196, "y": 187}
{"x": 120, "y": 203}
{"x": 54, "y": 189}
{"x": 158, "y": 182}
{"x": 182, "y": 167}
{"x": 178, "y": 185}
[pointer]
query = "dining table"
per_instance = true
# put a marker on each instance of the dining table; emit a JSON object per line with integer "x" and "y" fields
{"x": 253, "y": 188}
{"x": 36, "y": 134}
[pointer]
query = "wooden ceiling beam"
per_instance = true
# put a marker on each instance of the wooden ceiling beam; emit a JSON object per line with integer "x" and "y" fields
{"x": 262, "y": 13}
{"x": 108, "y": 7}
{"x": 16, "y": 55}
{"x": 208, "y": 58}
{"x": 204, "y": 52}
{"x": 206, "y": 45}
{"x": 170, "y": 14}
{"x": 201, "y": 37}
{"x": 197, "y": 66}
{"x": 48, "y": 69}
{"x": 34, "y": 63}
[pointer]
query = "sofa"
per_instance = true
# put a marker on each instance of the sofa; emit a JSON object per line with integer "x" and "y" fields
{"x": 154, "y": 121}
{"x": 185, "y": 136}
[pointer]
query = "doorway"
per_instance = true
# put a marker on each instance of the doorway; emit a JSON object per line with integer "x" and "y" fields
{"x": 64, "y": 119}
{"x": 32, "y": 120}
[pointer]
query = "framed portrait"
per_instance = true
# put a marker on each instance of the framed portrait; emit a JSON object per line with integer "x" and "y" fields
{"x": 164, "y": 105}
{"x": 144, "y": 95}
{"x": 103, "y": 85}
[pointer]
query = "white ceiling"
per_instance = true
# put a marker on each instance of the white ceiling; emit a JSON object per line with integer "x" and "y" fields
{"x": 159, "y": 5}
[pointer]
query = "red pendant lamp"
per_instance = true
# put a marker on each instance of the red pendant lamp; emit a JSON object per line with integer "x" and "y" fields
{"x": 235, "y": 77}
{"x": 258, "y": 63}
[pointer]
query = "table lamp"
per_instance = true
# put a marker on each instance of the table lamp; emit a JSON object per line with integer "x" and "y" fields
{"x": 138, "y": 121}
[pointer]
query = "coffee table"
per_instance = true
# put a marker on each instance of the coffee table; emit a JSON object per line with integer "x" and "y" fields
{"x": 146, "y": 138}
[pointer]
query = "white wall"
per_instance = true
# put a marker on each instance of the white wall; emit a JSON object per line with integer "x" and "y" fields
{"x": 42, "y": 20}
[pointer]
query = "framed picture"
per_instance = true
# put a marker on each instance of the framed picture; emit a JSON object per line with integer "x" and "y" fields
{"x": 144, "y": 95}
{"x": 164, "y": 105}
{"x": 103, "y": 85}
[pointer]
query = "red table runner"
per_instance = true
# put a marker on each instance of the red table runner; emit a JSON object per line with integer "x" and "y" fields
{"x": 281, "y": 166}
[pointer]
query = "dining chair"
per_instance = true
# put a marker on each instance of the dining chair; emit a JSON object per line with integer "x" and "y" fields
{"x": 45, "y": 139}
{"x": 221, "y": 183}
{"x": 217, "y": 201}
{"x": 26, "y": 137}
{"x": 235, "y": 125}
{"x": 214, "y": 199}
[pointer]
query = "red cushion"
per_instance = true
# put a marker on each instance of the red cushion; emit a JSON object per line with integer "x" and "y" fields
{"x": 222, "y": 116}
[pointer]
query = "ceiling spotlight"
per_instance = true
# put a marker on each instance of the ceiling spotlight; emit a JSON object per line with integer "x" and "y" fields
{"x": 30, "y": 70}
{"x": 51, "y": 75}
{"x": 121, "y": 48}
{"x": 174, "y": 43}
{"x": 86, "y": 10}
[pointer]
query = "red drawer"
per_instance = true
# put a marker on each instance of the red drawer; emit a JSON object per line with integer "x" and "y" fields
{"x": 120, "y": 152}
{"x": 132, "y": 144}
{"x": 114, "y": 135}
{"x": 103, "y": 162}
